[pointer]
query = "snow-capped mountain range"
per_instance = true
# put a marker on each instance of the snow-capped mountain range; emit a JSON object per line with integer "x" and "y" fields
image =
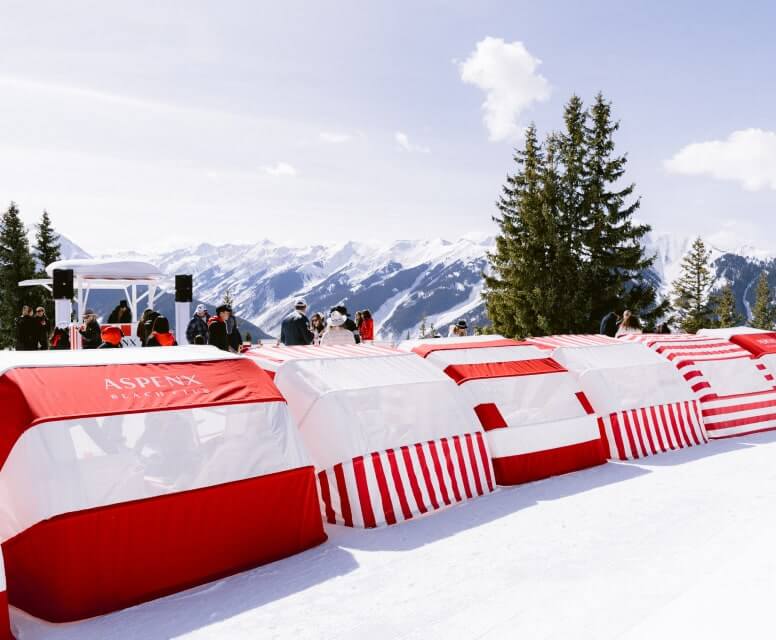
{"x": 403, "y": 283}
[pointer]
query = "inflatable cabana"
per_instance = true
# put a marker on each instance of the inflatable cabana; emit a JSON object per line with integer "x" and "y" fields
{"x": 389, "y": 434}
{"x": 736, "y": 391}
{"x": 537, "y": 420}
{"x": 129, "y": 474}
{"x": 645, "y": 406}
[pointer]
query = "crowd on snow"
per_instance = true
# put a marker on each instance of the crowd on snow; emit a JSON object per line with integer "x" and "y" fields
{"x": 34, "y": 333}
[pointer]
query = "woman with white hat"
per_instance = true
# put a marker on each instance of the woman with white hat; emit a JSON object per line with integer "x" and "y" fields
{"x": 336, "y": 332}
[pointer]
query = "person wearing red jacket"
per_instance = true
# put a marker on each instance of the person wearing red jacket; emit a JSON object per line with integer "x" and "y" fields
{"x": 366, "y": 327}
{"x": 111, "y": 337}
{"x": 160, "y": 334}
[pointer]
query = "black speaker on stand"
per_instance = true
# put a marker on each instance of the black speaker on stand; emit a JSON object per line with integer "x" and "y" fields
{"x": 183, "y": 297}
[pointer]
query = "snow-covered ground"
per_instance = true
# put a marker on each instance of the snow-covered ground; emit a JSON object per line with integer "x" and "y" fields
{"x": 678, "y": 545}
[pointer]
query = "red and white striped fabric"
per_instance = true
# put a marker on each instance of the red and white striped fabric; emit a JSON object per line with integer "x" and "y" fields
{"x": 537, "y": 421}
{"x": 645, "y": 406}
{"x": 129, "y": 474}
{"x": 581, "y": 340}
{"x": 736, "y": 392}
{"x": 389, "y": 434}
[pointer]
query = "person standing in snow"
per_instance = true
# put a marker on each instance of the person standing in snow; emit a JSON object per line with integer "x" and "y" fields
{"x": 629, "y": 324}
{"x": 160, "y": 334}
{"x": 26, "y": 331}
{"x": 367, "y": 326}
{"x": 217, "y": 331}
{"x": 91, "y": 337}
{"x": 232, "y": 332}
{"x": 337, "y": 333}
{"x": 43, "y": 328}
{"x": 609, "y": 324}
{"x": 317, "y": 326}
{"x": 197, "y": 325}
{"x": 120, "y": 314}
{"x": 295, "y": 328}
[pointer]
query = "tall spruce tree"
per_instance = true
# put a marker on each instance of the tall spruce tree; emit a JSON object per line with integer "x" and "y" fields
{"x": 16, "y": 264}
{"x": 762, "y": 312}
{"x": 615, "y": 257}
{"x": 516, "y": 291}
{"x": 725, "y": 308}
{"x": 47, "y": 249}
{"x": 691, "y": 290}
{"x": 572, "y": 215}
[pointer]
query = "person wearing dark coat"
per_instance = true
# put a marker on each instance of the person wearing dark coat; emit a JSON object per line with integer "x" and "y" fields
{"x": 216, "y": 333}
{"x": 43, "y": 330}
{"x": 197, "y": 325}
{"x": 121, "y": 314}
{"x": 26, "y": 331}
{"x": 91, "y": 337}
{"x": 233, "y": 333}
{"x": 160, "y": 335}
{"x": 295, "y": 328}
{"x": 146, "y": 320}
{"x": 609, "y": 324}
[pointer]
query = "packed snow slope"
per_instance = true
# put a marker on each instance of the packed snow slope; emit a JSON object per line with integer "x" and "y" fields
{"x": 676, "y": 546}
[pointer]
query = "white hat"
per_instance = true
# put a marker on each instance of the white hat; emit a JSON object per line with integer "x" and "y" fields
{"x": 201, "y": 308}
{"x": 300, "y": 302}
{"x": 336, "y": 319}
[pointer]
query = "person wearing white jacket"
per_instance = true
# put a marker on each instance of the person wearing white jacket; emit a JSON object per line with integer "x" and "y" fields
{"x": 336, "y": 333}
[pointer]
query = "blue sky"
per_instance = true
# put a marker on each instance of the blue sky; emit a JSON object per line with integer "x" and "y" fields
{"x": 144, "y": 126}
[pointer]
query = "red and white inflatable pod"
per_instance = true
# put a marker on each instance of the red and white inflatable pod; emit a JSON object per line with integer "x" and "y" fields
{"x": 645, "y": 406}
{"x": 129, "y": 474}
{"x": 537, "y": 420}
{"x": 390, "y": 436}
{"x": 735, "y": 390}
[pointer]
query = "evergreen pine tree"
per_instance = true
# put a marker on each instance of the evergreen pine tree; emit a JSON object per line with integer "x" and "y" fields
{"x": 228, "y": 299}
{"x": 519, "y": 289}
{"x": 725, "y": 309}
{"x": 615, "y": 258}
{"x": 47, "y": 248}
{"x": 16, "y": 264}
{"x": 691, "y": 290}
{"x": 45, "y": 251}
{"x": 762, "y": 312}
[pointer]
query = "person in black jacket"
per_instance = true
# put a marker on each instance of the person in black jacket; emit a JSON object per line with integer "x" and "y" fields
{"x": 43, "y": 328}
{"x": 161, "y": 336}
{"x": 217, "y": 336}
{"x": 197, "y": 325}
{"x": 91, "y": 337}
{"x": 26, "y": 331}
{"x": 295, "y": 328}
{"x": 121, "y": 314}
{"x": 609, "y": 324}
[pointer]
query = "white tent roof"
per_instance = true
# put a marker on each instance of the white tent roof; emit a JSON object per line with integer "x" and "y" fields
{"x": 106, "y": 269}
{"x": 476, "y": 354}
{"x": 624, "y": 376}
{"x": 729, "y": 331}
{"x": 365, "y": 399}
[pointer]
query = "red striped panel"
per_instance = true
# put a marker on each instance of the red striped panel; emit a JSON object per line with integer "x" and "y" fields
{"x": 5, "y": 622}
{"x": 585, "y": 402}
{"x": 342, "y": 490}
{"x": 323, "y": 480}
{"x": 461, "y": 373}
{"x": 423, "y": 350}
{"x": 426, "y": 482}
{"x": 629, "y": 434}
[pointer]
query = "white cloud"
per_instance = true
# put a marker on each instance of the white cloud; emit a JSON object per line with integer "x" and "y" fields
{"x": 506, "y": 72}
{"x": 335, "y": 137}
{"x": 747, "y": 156}
{"x": 281, "y": 169}
{"x": 405, "y": 145}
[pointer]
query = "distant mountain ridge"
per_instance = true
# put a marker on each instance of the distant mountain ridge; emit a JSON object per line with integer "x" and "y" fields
{"x": 403, "y": 283}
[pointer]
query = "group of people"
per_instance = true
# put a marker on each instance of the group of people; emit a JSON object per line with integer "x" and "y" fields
{"x": 32, "y": 330}
{"x": 335, "y": 328}
{"x": 219, "y": 330}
